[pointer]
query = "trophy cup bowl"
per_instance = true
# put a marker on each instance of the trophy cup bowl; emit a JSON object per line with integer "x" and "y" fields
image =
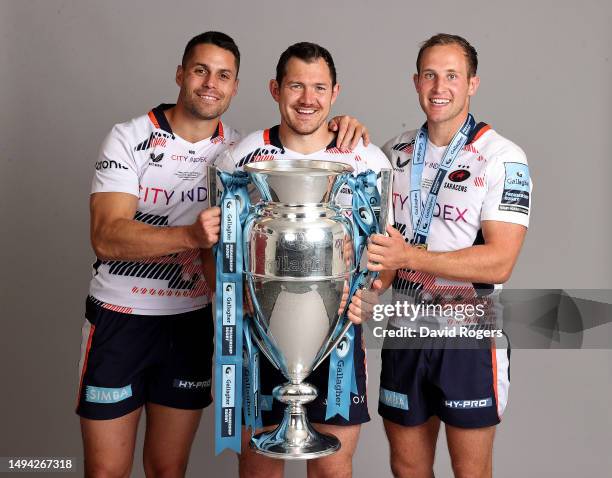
{"x": 298, "y": 259}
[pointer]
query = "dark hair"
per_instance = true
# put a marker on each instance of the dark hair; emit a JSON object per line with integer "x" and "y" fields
{"x": 446, "y": 39}
{"x": 213, "y": 38}
{"x": 308, "y": 52}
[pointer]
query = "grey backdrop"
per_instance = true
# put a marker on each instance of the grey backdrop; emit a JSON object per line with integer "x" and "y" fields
{"x": 70, "y": 69}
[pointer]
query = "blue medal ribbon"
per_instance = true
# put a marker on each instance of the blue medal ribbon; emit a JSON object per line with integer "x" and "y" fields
{"x": 421, "y": 217}
{"x": 229, "y": 313}
{"x": 341, "y": 380}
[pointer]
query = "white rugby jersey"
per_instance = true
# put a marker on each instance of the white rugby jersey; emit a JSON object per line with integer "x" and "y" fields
{"x": 265, "y": 145}
{"x": 168, "y": 174}
{"x": 489, "y": 180}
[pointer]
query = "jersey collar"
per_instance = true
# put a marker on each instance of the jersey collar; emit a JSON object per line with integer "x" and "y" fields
{"x": 159, "y": 120}
{"x": 477, "y": 132}
{"x": 271, "y": 137}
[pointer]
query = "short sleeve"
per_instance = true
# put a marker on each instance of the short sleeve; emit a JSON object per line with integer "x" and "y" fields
{"x": 116, "y": 169}
{"x": 509, "y": 188}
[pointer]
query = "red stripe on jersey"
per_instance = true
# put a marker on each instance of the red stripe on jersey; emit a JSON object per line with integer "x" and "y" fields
{"x": 263, "y": 157}
{"x": 118, "y": 308}
{"x": 266, "y": 136}
{"x": 336, "y": 150}
{"x": 185, "y": 257}
{"x": 443, "y": 292}
{"x": 153, "y": 119}
{"x": 472, "y": 149}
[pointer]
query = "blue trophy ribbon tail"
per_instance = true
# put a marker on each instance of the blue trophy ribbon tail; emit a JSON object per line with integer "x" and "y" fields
{"x": 341, "y": 376}
{"x": 229, "y": 315}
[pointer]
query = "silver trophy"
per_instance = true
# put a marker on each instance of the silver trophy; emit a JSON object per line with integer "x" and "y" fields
{"x": 299, "y": 257}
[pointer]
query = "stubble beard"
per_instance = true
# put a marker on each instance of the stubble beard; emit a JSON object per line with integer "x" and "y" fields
{"x": 304, "y": 131}
{"x": 199, "y": 113}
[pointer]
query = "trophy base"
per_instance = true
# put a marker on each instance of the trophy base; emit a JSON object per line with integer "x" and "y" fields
{"x": 295, "y": 438}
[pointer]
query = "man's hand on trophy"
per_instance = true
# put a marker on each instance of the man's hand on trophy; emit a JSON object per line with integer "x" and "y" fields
{"x": 350, "y": 131}
{"x": 390, "y": 252}
{"x": 363, "y": 302}
{"x": 205, "y": 230}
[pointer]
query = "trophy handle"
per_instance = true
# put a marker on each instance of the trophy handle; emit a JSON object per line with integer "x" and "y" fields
{"x": 340, "y": 181}
{"x": 260, "y": 182}
{"x": 386, "y": 182}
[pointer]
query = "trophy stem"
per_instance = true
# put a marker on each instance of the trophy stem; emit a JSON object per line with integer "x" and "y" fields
{"x": 295, "y": 438}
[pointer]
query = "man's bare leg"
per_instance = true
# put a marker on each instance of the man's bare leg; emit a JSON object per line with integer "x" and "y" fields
{"x": 340, "y": 464}
{"x": 413, "y": 449}
{"x": 108, "y": 445}
{"x": 170, "y": 433}
{"x": 471, "y": 451}
{"x": 254, "y": 465}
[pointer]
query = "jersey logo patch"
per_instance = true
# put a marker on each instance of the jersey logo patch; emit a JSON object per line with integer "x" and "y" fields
{"x": 158, "y": 158}
{"x": 112, "y": 164}
{"x": 515, "y": 196}
{"x": 393, "y": 399}
{"x": 107, "y": 395}
{"x": 469, "y": 404}
{"x": 459, "y": 175}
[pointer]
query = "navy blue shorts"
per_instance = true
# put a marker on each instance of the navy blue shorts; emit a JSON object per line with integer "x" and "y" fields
{"x": 128, "y": 360}
{"x": 465, "y": 387}
{"x": 270, "y": 377}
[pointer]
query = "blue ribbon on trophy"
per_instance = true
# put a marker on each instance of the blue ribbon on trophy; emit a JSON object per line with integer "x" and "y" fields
{"x": 229, "y": 314}
{"x": 342, "y": 381}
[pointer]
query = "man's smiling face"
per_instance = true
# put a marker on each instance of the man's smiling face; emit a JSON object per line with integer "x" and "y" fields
{"x": 444, "y": 85}
{"x": 305, "y": 95}
{"x": 208, "y": 81}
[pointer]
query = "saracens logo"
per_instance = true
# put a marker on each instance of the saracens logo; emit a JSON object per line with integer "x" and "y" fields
{"x": 459, "y": 175}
